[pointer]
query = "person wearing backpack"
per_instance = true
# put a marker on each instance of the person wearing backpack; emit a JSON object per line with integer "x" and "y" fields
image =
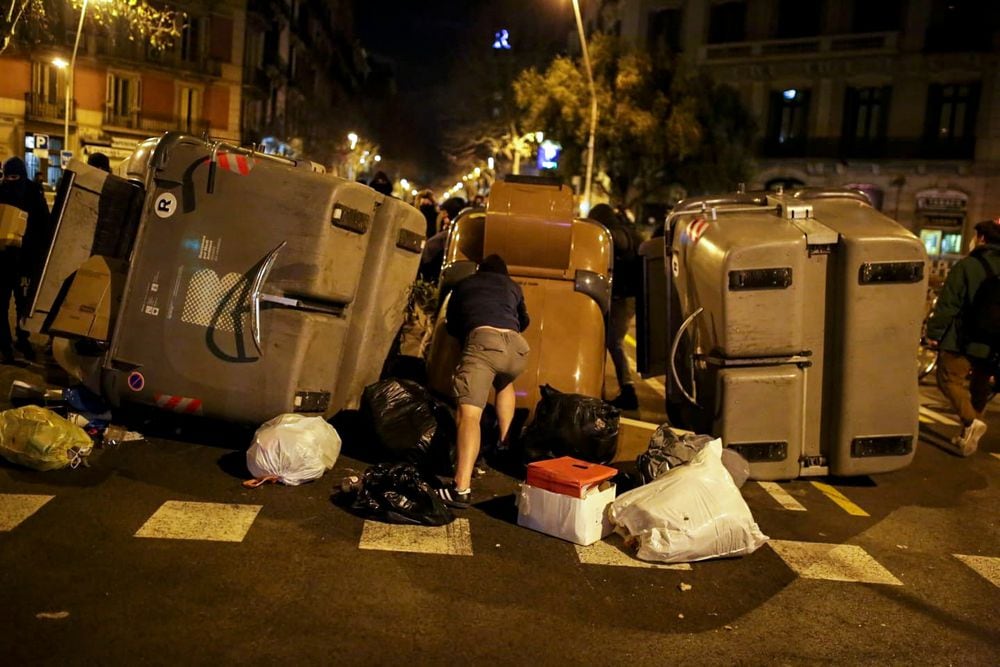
{"x": 965, "y": 329}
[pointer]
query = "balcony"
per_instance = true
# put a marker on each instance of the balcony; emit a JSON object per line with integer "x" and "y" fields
{"x": 139, "y": 124}
{"x": 40, "y": 108}
{"x": 825, "y": 45}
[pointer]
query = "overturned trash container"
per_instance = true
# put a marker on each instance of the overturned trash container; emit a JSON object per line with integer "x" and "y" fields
{"x": 789, "y": 332}
{"x": 255, "y": 285}
{"x": 563, "y": 265}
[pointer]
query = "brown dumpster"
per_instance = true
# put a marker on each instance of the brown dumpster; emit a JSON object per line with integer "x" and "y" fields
{"x": 563, "y": 265}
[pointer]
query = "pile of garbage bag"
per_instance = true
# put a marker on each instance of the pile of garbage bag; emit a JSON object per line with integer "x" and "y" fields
{"x": 38, "y": 438}
{"x": 667, "y": 450}
{"x": 692, "y": 512}
{"x": 399, "y": 493}
{"x": 292, "y": 449}
{"x": 409, "y": 424}
{"x": 573, "y": 425}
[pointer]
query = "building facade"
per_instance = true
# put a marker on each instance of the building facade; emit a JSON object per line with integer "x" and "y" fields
{"x": 302, "y": 72}
{"x": 124, "y": 90}
{"x": 899, "y": 98}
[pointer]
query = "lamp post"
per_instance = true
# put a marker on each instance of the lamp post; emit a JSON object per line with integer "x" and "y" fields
{"x": 585, "y": 208}
{"x": 70, "y": 76}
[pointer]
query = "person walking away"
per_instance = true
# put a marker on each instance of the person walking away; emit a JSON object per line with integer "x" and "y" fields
{"x": 17, "y": 263}
{"x": 966, "y": 362}
{"x": 625, "y": 282}
{"x": 487, "y": 313}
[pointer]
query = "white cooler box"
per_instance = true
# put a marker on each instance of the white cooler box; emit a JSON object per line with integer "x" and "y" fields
{"x": 580, "y": 520}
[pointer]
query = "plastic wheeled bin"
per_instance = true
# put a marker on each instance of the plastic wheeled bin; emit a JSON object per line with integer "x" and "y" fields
{"x": 256, "y": 285}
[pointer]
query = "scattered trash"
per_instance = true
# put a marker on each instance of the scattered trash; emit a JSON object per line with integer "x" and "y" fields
{"x": 116, "y": 435}
{"x": 40, "y": 439}
{"x": 22, "y": 393}
{"x": 567, "y": 498}
{"x": 400, "y": 493}
{"x": 52, "y": 615}
{"x": 667, "y": 450}
{"x": 684, "y": 588}
{"x": 691, "y": 513}
{"x": 292, "y": 449}
{"x": 409, "y": 423}
{"x": 571, "y": 425}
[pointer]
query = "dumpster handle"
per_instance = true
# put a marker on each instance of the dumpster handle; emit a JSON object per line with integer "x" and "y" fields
{"x": 673, "y": 355}
{"x": 255, "y": 292}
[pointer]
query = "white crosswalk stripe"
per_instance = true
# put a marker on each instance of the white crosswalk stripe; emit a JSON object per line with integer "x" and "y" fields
{"x": 455, "y": 539}
{"x": 16, "y": 507}
{"x": 611, "y": 551}
{"x": 216, "y": 522}
{"x": 833, "y": 562}
{"x": 782, "y": 497}
{"x": 985, "y": 566}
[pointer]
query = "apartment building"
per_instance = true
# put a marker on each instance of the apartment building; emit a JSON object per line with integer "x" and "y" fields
{"x": 124, "y": 90}
{"x": 302, "y": 73}
{"x": 899, "y": 98}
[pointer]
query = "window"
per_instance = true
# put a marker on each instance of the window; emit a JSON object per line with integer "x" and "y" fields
{"x": 254, "y": 56}
{"x": 960, "y": 25}
{"x": 787, "y": 121}
{"x": 876, "y": 15}
{"x": 123, "y": 98}
{"x": 799, "y": 18}
{"x": 727, "y": 22}
{"x": 48, "y": 83}
{"x": 189, "y": 108}
{"x": 866, "y": 113}
{"x": 951, "y": 119}
{"x": 664, "y": 32}
{"x": 191, "y": 40}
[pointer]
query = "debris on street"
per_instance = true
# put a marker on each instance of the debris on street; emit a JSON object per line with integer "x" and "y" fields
{"x": 292, "y": 449}
{"x": 38, "y": 438}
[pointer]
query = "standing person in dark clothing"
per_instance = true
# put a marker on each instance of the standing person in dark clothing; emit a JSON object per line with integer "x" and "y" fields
{"x": 487, "y": 313}
{"x": 17, "y": 263}
{"x": 625, "y": 285}
{"x": 963, "y": 375}
{"x": 381, "y": 184}
{"x": 100, "y": 161}
{"x": 425, "y": 202}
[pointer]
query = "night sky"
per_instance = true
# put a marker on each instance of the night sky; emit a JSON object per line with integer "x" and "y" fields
{"x": 436, "y": 51}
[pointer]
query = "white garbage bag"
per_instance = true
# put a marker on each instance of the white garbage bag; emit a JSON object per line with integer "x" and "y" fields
{"x": 692, "y": 512}
{"x": 292, "y": 449}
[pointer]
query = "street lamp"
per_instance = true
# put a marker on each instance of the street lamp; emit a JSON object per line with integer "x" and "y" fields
{"x": 70, "y": 75}
{"x": 353, "y": 138}
{"x": 585, "y": 208}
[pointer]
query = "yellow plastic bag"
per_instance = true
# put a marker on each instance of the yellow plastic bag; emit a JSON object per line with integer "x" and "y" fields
{"x": 41, "y": 439}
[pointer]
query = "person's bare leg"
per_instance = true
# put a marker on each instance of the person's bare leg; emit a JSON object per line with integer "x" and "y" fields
{"x": 506, "y": 400}
{"x": 468, "y": 444}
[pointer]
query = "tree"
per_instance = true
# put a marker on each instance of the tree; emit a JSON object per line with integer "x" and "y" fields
{"x": 657, "y": 125}
{"x": 29, "y": 21}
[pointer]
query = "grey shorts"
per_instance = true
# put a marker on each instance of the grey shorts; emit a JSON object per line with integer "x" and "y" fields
{"x": 490, "y": 358}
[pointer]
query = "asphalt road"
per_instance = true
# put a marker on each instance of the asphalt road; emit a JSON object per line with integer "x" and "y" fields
{"x": 89, "y": 572}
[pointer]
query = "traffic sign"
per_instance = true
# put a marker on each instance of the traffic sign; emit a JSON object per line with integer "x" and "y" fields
{"x": 41, "y": 142}
{"x": 66, "y": 157}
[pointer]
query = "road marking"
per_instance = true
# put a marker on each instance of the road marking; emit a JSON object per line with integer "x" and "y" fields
{"x": 839, "y": 498}
{"x": 937, "y": 416}
{"x": 985, "y": 566}
{"x": 612, "y": 552}
{"x": 833, "y": 562}
{"x": 783, "y": 498}
{"x": 451, "y": 540}
{"x": 16, "y": 507}
{"x": 216, "y": 522}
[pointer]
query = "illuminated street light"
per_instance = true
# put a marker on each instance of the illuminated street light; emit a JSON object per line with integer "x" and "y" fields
{"x": 72, "y": 70}
{"x": 378, "y": 158}
{"x": 413, "y": 192}
{"x": 585, "y": 207}
{"x": 60, "y": 63}
{"x": 353, "y": 138}
{"x": 405, "y": 184}
{"x": 477, "y": 171}
{"x": 490, "y": 162}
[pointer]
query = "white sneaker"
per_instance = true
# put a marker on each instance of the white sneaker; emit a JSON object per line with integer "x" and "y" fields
{"x": 968, "y": 442}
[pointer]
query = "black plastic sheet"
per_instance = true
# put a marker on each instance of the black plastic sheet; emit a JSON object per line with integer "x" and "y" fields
{"x": 400, "y": 493}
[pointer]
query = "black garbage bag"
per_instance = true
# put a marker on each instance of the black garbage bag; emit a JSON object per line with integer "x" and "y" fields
{"x": 409, "y": 423}
{"x": 667, "y": 450}
{"x": 571, "y": 425}
{"x": 400, "y": 493}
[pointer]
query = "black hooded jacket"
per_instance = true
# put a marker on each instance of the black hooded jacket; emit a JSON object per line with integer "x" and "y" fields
{"x": 27, "y": 196}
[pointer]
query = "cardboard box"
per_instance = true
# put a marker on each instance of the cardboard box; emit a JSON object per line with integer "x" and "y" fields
{"x": 13, "y": 223}
{"x": 579, "y": 520}
{"x": 92, "y": 300}
{"x": 568, "y": 476}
